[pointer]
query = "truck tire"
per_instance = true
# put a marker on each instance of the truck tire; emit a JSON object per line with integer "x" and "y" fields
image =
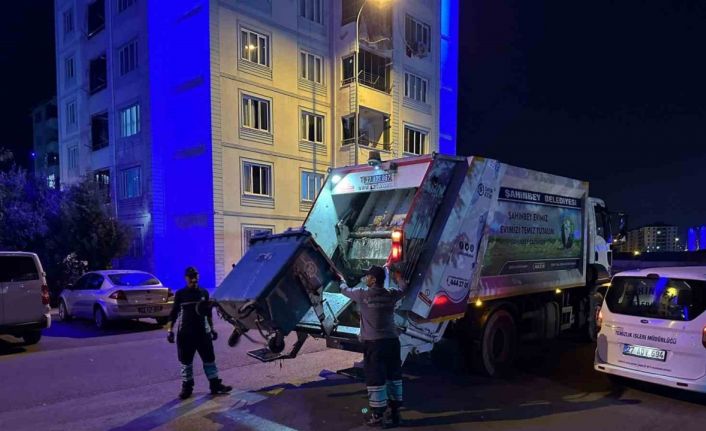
{"x": 498, "y": 343}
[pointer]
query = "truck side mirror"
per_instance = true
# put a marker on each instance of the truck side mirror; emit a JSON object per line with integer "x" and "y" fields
{"x": 622, "y": 225}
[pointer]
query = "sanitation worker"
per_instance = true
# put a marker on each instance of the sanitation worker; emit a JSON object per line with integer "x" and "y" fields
{"x": 381, "y": 358}
{"x": 195, "y": 334}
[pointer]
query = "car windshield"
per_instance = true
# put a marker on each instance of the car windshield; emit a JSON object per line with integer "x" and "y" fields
{"x": 658, "y": 297}
{"x": 133, "y": 279}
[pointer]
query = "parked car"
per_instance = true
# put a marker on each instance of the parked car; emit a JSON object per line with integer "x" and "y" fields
{"x": 116, "y": 295}
{"x": 24, "y": 296}
{"x": 653, "y": 327}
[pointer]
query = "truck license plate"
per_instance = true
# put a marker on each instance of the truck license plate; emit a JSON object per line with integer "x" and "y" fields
{"x": 145, "y": 310}
{"x": 645, "y": 352}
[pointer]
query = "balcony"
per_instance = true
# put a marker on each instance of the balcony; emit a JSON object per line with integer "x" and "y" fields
{"x": 374, "y": 130}
{"x": 373, "y": 71}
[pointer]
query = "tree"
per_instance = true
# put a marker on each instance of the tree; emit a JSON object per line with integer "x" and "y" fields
{"x": 7, "y": 159}
{"x": 88, "y": 225}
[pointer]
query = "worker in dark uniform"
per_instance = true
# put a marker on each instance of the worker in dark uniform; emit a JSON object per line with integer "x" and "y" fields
{"x": 195, "y": 334}
{"x": 382, "y": 359}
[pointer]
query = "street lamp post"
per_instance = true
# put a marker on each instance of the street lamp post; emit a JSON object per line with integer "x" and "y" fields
{"x": 357, "y": 73}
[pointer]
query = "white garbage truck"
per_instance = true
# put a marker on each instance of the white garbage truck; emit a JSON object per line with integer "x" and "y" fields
{"x": 492, "y": 253}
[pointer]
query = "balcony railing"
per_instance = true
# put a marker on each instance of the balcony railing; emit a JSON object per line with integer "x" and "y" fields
{"x": 364, "y": 141}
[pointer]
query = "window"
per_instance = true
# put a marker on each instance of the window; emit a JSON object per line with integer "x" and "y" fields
{"x": 415, "y": 87}
{"x": 311, "y": 10}
{"x": 254, "y": 47}
{"x": 124, "y": 4}
{"x": 134, "y": 278}
{"x": 68, "y": 21}
{"x": 417, "y": 37}
{"x": 73, "y": 158}
{"x": 99, "y": 131}
{"x": 102, "y": 180}
{"x": 310, "y": 67}
{"x": 96, "y": 17}
{"x": 257, "y": 179}
{"x": 311, "y": 184}
{"x": 136, "y": 250}
{"x": 348, "y": 129}
{"x": 128, "y": 57}
{"x": 347, "y": 65}
{"x": 414, "y": 141}
{"x": 69, "y": 69}
{"x": 52, "y": 158}
{"x": 131, "y": 183}
{"x": 51, "y": 181}
{"x": 98, "y": 72}
{"x": 17, "y": 268}
{"x": 130, "y": 121}
{"x": 659, "y": 298}
{"x": 71, "y": 114}
{"x": 256, "y": 113}
{"x": 349, "y": 10}
{"x": 250, "y": 231}
{"x": 312, "y": 127}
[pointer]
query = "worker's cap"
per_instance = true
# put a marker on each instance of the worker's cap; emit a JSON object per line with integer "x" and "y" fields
{"x": 191, "y": 272}
{"x": 377, "y": 272}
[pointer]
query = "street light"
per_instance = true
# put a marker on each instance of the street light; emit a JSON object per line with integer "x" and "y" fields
{"x": 356, "y": 54}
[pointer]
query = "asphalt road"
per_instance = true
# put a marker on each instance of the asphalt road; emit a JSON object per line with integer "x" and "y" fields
{"x": 127, "y": 379}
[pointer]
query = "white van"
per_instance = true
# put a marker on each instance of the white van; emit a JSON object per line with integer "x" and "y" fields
{"x": 24, "y": 296}
{"x": 653, "y": 327}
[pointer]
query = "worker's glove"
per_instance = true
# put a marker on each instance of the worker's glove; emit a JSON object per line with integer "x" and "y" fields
{"x": 214, "y": 335}
{"x": 170, "y": 337}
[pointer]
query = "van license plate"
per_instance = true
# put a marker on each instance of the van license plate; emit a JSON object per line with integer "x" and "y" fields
{"x": 145, "y": 310}
{"x": 645, "y": 352}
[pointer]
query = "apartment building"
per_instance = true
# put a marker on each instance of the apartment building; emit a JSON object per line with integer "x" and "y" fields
{"x": 208, "y": 121}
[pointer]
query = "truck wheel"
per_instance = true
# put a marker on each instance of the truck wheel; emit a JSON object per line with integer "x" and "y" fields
{"x": 498, "y": 343}
{"x": 32, "y": 337}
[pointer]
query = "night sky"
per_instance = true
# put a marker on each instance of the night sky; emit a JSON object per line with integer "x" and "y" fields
{"x": 613, "y": 92}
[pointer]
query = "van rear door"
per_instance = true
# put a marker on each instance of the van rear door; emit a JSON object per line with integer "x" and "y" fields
{"x": 20, "y": 281}
{"x": 656, "y": 325}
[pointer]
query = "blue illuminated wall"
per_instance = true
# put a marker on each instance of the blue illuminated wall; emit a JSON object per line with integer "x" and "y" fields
{"x": 696, "y": 238}
{"x": 182, "y": 193}
{"x": 448, "y": 93}
{"x": 691, "y": 243}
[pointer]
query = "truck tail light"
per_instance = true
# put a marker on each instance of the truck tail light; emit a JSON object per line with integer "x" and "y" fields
{"x": 119, "y": 295}
{"x": 45, "y": 294}
{"x": 397, "y": 242}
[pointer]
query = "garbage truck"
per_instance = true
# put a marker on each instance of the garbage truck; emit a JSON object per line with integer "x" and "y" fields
{"x": 492, "y": 254}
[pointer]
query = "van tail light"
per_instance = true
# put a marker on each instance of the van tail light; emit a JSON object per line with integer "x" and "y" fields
{"x": 703, "y": 337}
{"x": 397, "y": 243}
{"x": 119, "y": 295}
{"x": 45, "y": 294}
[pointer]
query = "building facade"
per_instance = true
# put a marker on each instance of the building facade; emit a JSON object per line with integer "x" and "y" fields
{"x": 657, "y": 237}
{"x": 45, "y": 143}
{"x": 209, "y": 120}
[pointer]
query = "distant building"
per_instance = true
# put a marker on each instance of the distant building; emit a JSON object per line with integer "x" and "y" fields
{"x": 45, "y": 145}
{"x": 657, "y": 237}
{"x": 696, "y": 238}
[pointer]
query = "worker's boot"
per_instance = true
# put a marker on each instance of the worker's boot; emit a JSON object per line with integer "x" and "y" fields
{"x": 217, "y": 387}
{"x": 392, "y": 417}
{"x": 374, "y": 417}
{"x": 187, "y": 388}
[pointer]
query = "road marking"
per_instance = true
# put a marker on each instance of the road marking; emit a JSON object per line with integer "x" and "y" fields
{"x": 586, "y": 397}
{"x": 535, "y": 403}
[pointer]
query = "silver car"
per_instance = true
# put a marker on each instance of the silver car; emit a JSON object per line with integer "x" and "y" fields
{"x": 116, "y": 295}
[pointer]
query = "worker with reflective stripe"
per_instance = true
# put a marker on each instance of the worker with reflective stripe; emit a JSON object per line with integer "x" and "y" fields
{"x": 381, "y": 343}
{"x": 195, "y": 334}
